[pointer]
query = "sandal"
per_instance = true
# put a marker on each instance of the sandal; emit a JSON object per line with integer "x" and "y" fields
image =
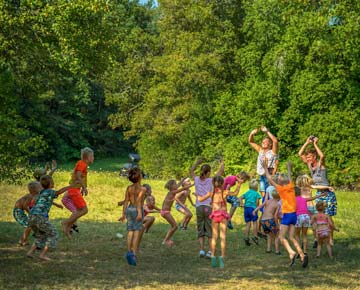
{"x": 293, "y": 259}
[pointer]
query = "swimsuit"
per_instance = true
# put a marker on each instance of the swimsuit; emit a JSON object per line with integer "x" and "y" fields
{"x": 218, "y": 215}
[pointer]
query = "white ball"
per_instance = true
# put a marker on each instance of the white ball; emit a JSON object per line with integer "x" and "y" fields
{"x": 120, "y": 236}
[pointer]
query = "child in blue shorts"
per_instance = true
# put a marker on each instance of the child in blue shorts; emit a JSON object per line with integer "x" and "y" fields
{"x": 252, "y": 198}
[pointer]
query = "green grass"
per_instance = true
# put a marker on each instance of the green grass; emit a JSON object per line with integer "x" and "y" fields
{"x": 94, "y": 259}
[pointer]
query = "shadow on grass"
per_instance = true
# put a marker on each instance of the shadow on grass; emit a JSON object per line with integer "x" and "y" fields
{"x": 94, "y": 258}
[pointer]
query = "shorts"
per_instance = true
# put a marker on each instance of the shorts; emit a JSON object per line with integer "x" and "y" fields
{"x": 219, "y": 215}
{"x": 21, "y": 217}
{"x": 289, "y": 219}
{"x": 323, "y": 233}
{"x": 44, "y": 232}
{"x": 68, "y": 203}
{"x": 264, "y": 183}
{"x": 269, "y": 226}
{"x": 77, "y": 198}
{"x": 330, "y": 201}
{"x": 131, "y": 214}
{"x": 312, "y": 209}
{"x": 248, "y": 216}
{"x": 233, "y": 200}
{"x": 178, "y": 206}
{"x": 203, "y": 221}
{"x": 303, "y": 221}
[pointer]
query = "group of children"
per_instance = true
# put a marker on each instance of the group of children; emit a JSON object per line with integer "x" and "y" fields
{"x": 32, "y": 210}
{"x": 287, "y": 210}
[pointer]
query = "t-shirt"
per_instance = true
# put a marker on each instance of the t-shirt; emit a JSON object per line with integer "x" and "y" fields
{"x": 251, "y": 196}
{"x": 202, "y": 187}
{"x": 82, "y": 167}
{"x": 301, "y": 205}
{"x": 287, "y": 195}
{"x": 229, "y": 181}
{"x": 43, "y": 203}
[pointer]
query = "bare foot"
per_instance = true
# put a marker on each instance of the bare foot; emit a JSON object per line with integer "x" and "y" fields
{"x": 30, "y": 255}
{"x": 65, "y": 230}
{"x": 44, "y": 258}
{"x": 292, "y": 259}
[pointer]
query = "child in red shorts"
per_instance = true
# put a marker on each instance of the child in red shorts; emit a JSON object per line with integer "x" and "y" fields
{"x": 79, "y": 177}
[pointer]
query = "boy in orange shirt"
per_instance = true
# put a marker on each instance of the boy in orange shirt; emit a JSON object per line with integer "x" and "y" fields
{"x": 78, "y": 177}
{"x": 287, "y": 194}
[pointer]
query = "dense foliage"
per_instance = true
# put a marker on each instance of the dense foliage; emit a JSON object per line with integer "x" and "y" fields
{"x": 184, "y": 79}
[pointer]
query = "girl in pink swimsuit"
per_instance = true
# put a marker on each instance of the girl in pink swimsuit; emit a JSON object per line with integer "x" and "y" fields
{"x": 219, "y": 216}
{"x": 323, "y": 228}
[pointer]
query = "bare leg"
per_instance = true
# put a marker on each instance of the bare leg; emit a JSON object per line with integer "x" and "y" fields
{"x": 247, "y": 229}
{"x": 297, "y": 234}
{"x": 329, "y": 250}
{"x": 67, "y": 224}
{"x": 25, "y": 236}
{"x": 135, "y": 241}
{"x": 304, "y": 236}
{"x": 232, "y": 211}
{"x": 318, "y": 249}
{"x": 31, "y": 251}
{"x": 223, "y": 226}
{"x": 43, "y": 254}
{"x": 285, "y": 243}
{"x": 201, "y": 243}
{"x": 173, "y": 227}
{"x": 268, "y": 242}
{"x": 277, "y": 244}
{"x": 255, "y": 228}
{"x": 130, "y": 237}
{"x": 295, "y": 242}
{"x": 214, "y": 230}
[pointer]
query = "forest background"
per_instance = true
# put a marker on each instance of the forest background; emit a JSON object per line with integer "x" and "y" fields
{"x": 178, "y": 80}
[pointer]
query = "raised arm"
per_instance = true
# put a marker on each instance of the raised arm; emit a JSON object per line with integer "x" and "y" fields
{"x": 289, "y": 168}
{"x": 53, "y": 167}
{"x": 237, "y": 190}
{"x": 319, "y": 152}
{"x": 252, "y": 142}
{"x": 175, "y": 191}
{"x": 220, "y": 171}
{"x": 192, "y": 169}
{"x": 275, "y": 148}
{"x": 302, "y": 149}
{"x": 268, "y": 176}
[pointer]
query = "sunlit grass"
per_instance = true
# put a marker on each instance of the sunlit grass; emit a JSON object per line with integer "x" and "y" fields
{"x": 94, "y": 258}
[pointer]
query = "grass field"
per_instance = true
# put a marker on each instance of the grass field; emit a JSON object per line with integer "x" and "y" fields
{"x": 94, "y": 258}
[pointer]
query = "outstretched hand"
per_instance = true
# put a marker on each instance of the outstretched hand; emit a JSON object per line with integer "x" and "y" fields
{"x": 253, "y": 132}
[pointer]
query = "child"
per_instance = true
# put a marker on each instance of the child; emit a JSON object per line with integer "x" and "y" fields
{"x": 285, "y": 188}
{"x": 230, "y": 181}
{"x": 133, "y": 212}
{"x": 302, "y": 217}
{"x": 180, "y": 206}
{"x": 79, "y": 177}
{"x": 203, "y": 185}
{"x": 219, "y": 216}
{"x": 323, "y": 224}
{"x": 44, "y": 232}
{"x": 148, "y": 221}
{"x": 22, "y": 205}
{"x": 315, "y": 160}
{"x": 149, "y": 207}
{"x": 252, "y": 198}
{"x": 269, "y": 220}
{"x": 165, "y": 212}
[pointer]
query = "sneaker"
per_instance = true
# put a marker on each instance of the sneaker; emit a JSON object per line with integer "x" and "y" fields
{"x": 229, "y": 225}
{"x": 75, "y": 228}
{"x": 255, "y": 240}
{"x": 131, "y": 259}
{"x": 202, "y": 254}
{"x": 247, "y": 241}
{"x": 208, "y": 255}
{"x": 278, "y": 253}
{"x": 221, "y": 262}
{"x": 315, "y": 244}
{"x": 213, "y": 262}
{"x": 305, "y": 261}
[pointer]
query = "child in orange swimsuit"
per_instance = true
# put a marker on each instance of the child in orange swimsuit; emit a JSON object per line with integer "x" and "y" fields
{"x": 219, "y": 216}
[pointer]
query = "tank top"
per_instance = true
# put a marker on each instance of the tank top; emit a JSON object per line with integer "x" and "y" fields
{"x": 319, "y": 175}
{"x": 270, "y": 157}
